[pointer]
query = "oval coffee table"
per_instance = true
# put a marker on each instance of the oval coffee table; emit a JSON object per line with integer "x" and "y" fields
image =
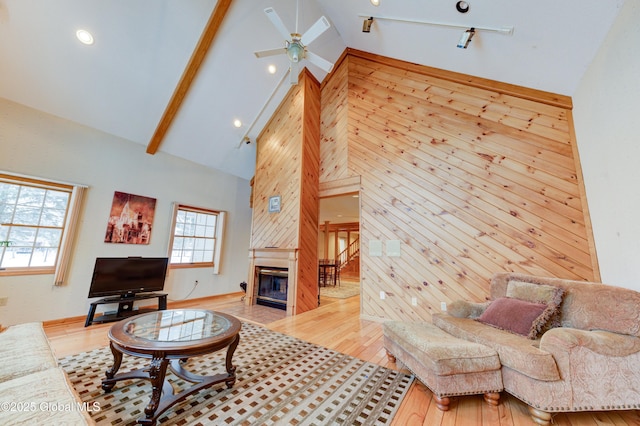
{"x": 168, "y": 338}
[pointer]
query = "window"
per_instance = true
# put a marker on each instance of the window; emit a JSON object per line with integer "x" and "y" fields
{"x": 196, "y": 237}
{"x": 35, "y": 219}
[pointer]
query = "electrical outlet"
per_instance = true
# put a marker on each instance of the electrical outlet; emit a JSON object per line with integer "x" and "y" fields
{"x": 443, "y": 306}
{"x": 414, "y": 301}
{"x": 382, "y": 295}
{"x": 4, "y": 301}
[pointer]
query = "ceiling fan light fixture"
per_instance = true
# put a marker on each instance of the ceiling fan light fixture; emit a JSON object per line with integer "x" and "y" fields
{"x": 375, "y": 2}
{"x": 272, "y": 69}
{"x": 295, "y": 51}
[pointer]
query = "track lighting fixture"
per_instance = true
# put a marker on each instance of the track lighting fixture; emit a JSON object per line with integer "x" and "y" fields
{"x": 366, "y": 25}
{"x": 466, "y": 38}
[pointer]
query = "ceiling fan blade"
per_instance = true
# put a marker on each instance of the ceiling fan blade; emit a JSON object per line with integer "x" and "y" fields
{"x": 314, "y": 32}
{"x": 294, "y": 70}
{"x": 319, "y": 61}
{"x": 270, "y": 52}
{"x": 277, "y": 22}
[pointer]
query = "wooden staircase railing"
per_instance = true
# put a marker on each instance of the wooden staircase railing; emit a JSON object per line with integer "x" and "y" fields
{"x": 352, "y": 250}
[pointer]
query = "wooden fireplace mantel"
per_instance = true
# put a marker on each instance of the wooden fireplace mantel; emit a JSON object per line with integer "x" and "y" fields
{"x": 274, "y": 258}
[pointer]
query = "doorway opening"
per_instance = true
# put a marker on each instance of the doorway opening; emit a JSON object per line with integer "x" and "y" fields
{"x": 339, "y": 245}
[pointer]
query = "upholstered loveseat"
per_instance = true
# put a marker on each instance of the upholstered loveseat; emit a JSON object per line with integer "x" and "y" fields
{"x": 34, "y": 390}
{"x": 584, "y": 356}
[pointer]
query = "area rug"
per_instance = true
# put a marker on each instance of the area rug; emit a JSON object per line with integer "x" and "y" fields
{"x": 344, "y": 290}
{"x": 281, "y": 380}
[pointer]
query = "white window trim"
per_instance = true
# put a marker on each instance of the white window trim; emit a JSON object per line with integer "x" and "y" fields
{"x": 220, "y": 224}
{"x": 70, "y": 226}
{"x": 68, "y": 236}
{"x": 217, "y": 256}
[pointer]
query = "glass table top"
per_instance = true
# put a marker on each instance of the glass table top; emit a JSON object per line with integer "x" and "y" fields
{"x": 177, "y": 325}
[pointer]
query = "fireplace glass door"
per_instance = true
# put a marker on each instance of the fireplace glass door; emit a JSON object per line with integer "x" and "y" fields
{"x": 272, "y": 287}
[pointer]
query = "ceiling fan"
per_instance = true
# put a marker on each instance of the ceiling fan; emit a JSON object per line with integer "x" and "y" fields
{"x": 296, "y": 45}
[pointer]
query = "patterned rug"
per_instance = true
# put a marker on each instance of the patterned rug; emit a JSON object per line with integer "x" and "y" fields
{"x": 280, "y": 380}
{"x": 345, "y": 290}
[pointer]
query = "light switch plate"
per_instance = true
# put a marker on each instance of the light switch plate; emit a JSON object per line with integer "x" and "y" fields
{"x": 393, "y": 248}
{"x": 375, "y": 248}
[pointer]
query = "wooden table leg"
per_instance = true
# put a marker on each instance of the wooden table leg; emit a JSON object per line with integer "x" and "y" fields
{"x": 117, "y": 361}
{"x": 231, "y": 369}
{"x": 157, "y": 373}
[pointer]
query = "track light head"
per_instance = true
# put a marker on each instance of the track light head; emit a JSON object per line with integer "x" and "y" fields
{"x": 366, "y": 25}
{"x": 466, "y": 37}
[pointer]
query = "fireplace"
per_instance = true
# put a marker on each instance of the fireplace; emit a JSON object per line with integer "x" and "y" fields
{"x": 280, "y": 268}
{"x": 272, "y": 285}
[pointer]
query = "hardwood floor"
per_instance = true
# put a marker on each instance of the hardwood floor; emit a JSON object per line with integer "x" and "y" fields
{"x": 337, "y": 325}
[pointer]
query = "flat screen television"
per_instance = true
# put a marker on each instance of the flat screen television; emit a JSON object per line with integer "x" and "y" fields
{"x": 126, "y": 276}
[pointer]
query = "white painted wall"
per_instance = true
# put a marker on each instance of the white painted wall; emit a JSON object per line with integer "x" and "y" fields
{"x": 607, "y": 121}
{"x": 37, "y": 144}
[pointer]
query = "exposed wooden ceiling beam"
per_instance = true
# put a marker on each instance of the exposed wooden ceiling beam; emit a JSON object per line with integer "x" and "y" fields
{"x": 197, "y": 57}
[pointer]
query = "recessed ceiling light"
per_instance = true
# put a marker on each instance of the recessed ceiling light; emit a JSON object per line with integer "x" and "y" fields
{"x": 84, "y": 36}
{"x": 272, "y": 69}
{"x": 462, "y": 7}
{"x": 375, "y": 2}
{"x": 237, "y": 123}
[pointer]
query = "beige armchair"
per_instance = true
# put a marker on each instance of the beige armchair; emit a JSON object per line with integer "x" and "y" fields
{"x": 591, "y": 362}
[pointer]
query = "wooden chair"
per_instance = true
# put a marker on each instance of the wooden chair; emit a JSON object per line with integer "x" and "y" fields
{"x": 322, "y": 272}
{"x": 326, "y": 272}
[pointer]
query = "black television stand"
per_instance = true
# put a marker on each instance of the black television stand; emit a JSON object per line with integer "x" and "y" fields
{"x": 125, "y": 307}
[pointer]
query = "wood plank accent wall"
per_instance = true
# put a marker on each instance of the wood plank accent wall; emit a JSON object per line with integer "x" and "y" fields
{"x": 334, "y": 126}
{"x": 278, "y": 172}
{"x": 470, "y": 178}
{"x": 287, "y": 164}
{"x": 307, "y": 291}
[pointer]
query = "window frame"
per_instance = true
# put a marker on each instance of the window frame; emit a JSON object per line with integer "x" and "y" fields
{"x": 67, "y": 229}
{"x": 218, "y": 237}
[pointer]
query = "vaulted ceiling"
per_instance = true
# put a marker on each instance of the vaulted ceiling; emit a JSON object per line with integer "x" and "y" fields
{"x": 133, "y": 74}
